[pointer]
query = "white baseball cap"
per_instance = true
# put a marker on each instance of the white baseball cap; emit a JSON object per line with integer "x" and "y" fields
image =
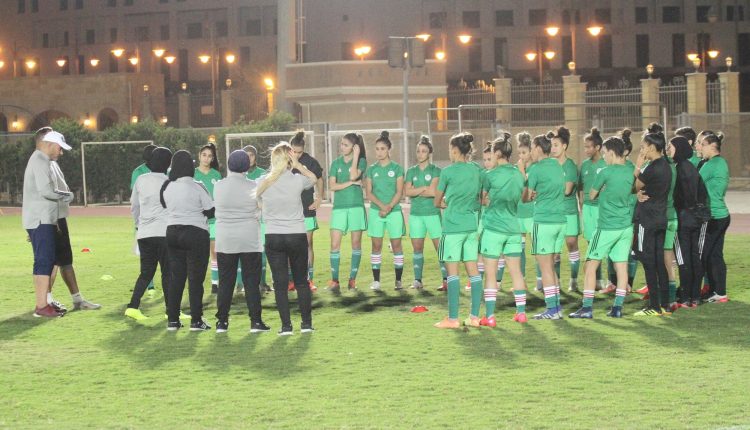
{"x": 58, "y": 138}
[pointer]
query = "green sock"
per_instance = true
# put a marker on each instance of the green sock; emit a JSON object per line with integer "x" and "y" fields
{"x": 335, "y": 259}
{"x": 310, "y": 271}
{"x": 500, "y": 270}
{"x": 520, "y": 298}
{"x": 490, "y": 299}
{"x": 356, "y": 257}
{"x": 239, "y": 278}
{"x": 550, "y": 298}
{"x": 453, "y": 294}
{"x": 672, "y": 291}
{"x": 588, "y": 298}
{"x": 476, "y": 294}
{"x": 263, "y": 268}
{"x": 620, "y": 297}
{"x": 214, "y": 272}
{"x": 443, "y": 270}
{"x": 575, "y": 264}
{"x": 418, "y": 265}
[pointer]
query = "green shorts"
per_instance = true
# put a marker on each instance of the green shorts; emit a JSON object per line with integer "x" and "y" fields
{"x": 422, "y": 225}
{"x": 494, "y": 245}
{"x": 458, "y": 247}
{"x": 311, "y": 223}
{"x": 212, "y": 231}
{"x": 349, "y": 219}
{"x": 547, "y": 239}
{"x": 527, "y": 224}
{"x": 612, "y": 244}
{"x": 671, "y": 233}
{"x": 590, "y": 221}
{"x": 572, "y": 225}
{"x": 393, "y": 223}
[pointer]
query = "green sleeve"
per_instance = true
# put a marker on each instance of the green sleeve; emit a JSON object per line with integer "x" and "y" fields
{"x": 531, "y": 182}
{"x": 332, "y": 169}
{"x": 571, "y": 172}
{"x": 436, "y": 171}
{"x": 133, "y": 177}
{"x": 443, "y": 182}
{"x": 399, "y": 171}
{"x": 600, "y": 179}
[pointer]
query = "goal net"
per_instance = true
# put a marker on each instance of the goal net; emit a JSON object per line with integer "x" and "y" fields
{"x": 264, "y": 142}
{"x": 106, "y": 168}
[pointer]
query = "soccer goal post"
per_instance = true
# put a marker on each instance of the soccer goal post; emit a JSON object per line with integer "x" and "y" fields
{"x": 110, "y": 167}
{"x": 264, "y": 142}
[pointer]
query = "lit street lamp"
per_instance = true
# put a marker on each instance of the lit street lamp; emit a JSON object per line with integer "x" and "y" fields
{"x": 269, "y": 84}
{"x": 362, "y": 51}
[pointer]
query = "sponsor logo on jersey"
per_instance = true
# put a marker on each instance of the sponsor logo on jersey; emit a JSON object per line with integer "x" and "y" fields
{"x": 427, "y": 177}
{"x": 391, "y": 173}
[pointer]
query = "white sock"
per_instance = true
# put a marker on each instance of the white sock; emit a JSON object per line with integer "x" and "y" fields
{"x": 49, "y": 298}
{"x": 77, "y": 297}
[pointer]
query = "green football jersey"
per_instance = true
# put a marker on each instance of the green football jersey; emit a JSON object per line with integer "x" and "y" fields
{"x": 422, "y": 178}
{"x": 460, "y": 183}
{"x": 715, "y": 174}
{"x": 614, "y": 184}
{"x": 255, "y": 173}
{"x": 384, "y": 180}
{"x": 589, "y": 169}
{"x": 571, "y": 175}
{"x": 504, "y": 186}
{"x": 138, "y": 171}
{"x": 671, "y": 212}
{"x": 208, "y": 179}
{"x": 548, "y": 180}
{"x": 351, "y": 196}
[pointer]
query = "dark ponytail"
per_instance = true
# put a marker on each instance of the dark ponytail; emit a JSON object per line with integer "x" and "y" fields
{"x": 503, "y": 145}
{"x": 463, "y": 142}
{"x": 714, "y": 138}
{"x": 384, "y": 137}
{"x": 595, "y": 137}
{"x": 688, "y": 133}
{"x": 356, "y": 139}
{"x": 215, "y": 160}
{"x": 298, "y": 139}
{"x": 544, "y": 142}
{"x": 616, "y": 145}
{"x": 625, "y": 136}
{"x": 654, "y": 136}
{"x": 563, "y": 134}
{"x": 425, "y": 140}
{"x": 524, "y": 140}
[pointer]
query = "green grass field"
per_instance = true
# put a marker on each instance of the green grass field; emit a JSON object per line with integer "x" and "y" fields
{"x": 370, "y": 364}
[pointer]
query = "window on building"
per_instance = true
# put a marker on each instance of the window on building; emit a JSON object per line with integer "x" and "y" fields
{"x": 567, "y": 50}
{"x": 222, "y": 29}
{"x": 642, "y": 54}
{"x": 743, "y": 49}
{"x": 678, "y": 50}
{"x": 34, "y": 6}
{"x": 603, "y": 16}
{"x": 504, "y": 18}
{"x": 111, "y": 3}
{"x": 245, "y": 55}
{"x": 605, "y": 51}
{"x": 347, "y": 52}
{"x": 45, "y": 40}
{"x": 568, "y": 13}
{"x": 475, "y": 55}
{"x": 164, "y": 32}
{"x": 253, "y": 27}
{"x": 79, "y": 4}
{"x": 21, "y": 6}
{"x": 471, "y": 18}
{"x": 641, "y": 15}
{"x": 112, "y": 35}
{"x": 114, "y": 65}
{"x": 501, "y": 51}
{"x": 735, "y": 13}
{"x": 195, "y": 30}
{"x": 537, "y": 16}
{"x": 142, "y": 33}
{"x": 671, "y": 15}
{"x": 90, "y": 37}
{"x": 701, "y": 13}
{"x": 63, "y": 4}
{"x": 437, "y": 19}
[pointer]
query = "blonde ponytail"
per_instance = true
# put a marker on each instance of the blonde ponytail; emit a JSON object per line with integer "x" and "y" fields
{"x": 281, "y": 161}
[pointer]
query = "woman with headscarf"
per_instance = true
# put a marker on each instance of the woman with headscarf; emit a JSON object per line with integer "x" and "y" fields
{"x": 692, "y": 219}
{"x": 286, "y": 239}
{"x": 151, "y": 228}
{"x": 189, "y": 207}
{"x": 238, "y": 241}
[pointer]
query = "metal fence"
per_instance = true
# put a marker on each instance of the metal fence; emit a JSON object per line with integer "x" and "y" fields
{"x": 534, "y": 94}
{"x": 713, "y": 96}
{"x": 613, "y": 109}
{"x": 674, "y": 98}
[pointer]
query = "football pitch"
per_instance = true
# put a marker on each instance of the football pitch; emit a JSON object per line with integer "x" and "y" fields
{"x": 371, "y": 362}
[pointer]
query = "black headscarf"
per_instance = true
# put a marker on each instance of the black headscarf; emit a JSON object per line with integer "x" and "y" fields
{"x": 159, "y": 160}
{"x": 182, "y": 166}
{"x": 690, "y": 194}
{"x": 147, "y": 151}
{"x": 682, "y": 149}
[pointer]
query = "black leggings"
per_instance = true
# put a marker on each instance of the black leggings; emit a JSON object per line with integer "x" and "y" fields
{"x": 650, "y": 251}
{"x": 713, "y": 255}
{"x": 250, "y": 262}
{"x": 688, "y": 249}
{"x": 286, "y": 251}
{"x": 153, "y": 251}
{"x": 188, "y": 249}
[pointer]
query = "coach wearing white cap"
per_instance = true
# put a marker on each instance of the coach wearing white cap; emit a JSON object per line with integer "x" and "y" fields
{"x": 40, "y": 211}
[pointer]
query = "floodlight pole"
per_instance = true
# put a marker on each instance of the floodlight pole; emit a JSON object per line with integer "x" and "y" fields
{"x": 407, "y": 70}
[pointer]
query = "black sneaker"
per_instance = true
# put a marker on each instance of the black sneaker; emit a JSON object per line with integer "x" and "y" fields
{"x": 265, "y": 288}
{"x": 286, "y": 331}
{"x": 199, "y": 326}
{"x": 214, "y": 288}
{"x": 615, "y": 312}
{"x": 221, "y": 326}
{"x": 259, "y": 327}
{"x": 306, "y": 328}
{"x": 174, "y": 326}
{"x": 59, "y": 307}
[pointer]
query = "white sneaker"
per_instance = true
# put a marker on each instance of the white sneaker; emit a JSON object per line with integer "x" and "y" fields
{"x": 375, "y": 286}
{"x": 715, "y": 298}
{"x": 398, "y": 286}
{"x": 85, "y": 305}
{"x": 573, "y": 286}
{"x": 417, "y": 285}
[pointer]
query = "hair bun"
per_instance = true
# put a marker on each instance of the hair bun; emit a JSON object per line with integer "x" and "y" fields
{"x": 655, "y": 128}
{"x": 468, "y": 138}
{"x": 524, "y": 138}
{"x": 300, "y": 134}
{"x": 595, "y": 131}
{"x": 563, "y": 133}
{"x": 720, "y": 136}
{"x": 424, "y": 139}
{"x": 626, "y": 133}
{"x": 384, "y": 134}
{"x": 550, "y": 135}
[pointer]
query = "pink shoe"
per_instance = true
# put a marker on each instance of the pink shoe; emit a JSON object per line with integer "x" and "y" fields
{"x": 490, "y": 322}
{"x": 520, "y": 317}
